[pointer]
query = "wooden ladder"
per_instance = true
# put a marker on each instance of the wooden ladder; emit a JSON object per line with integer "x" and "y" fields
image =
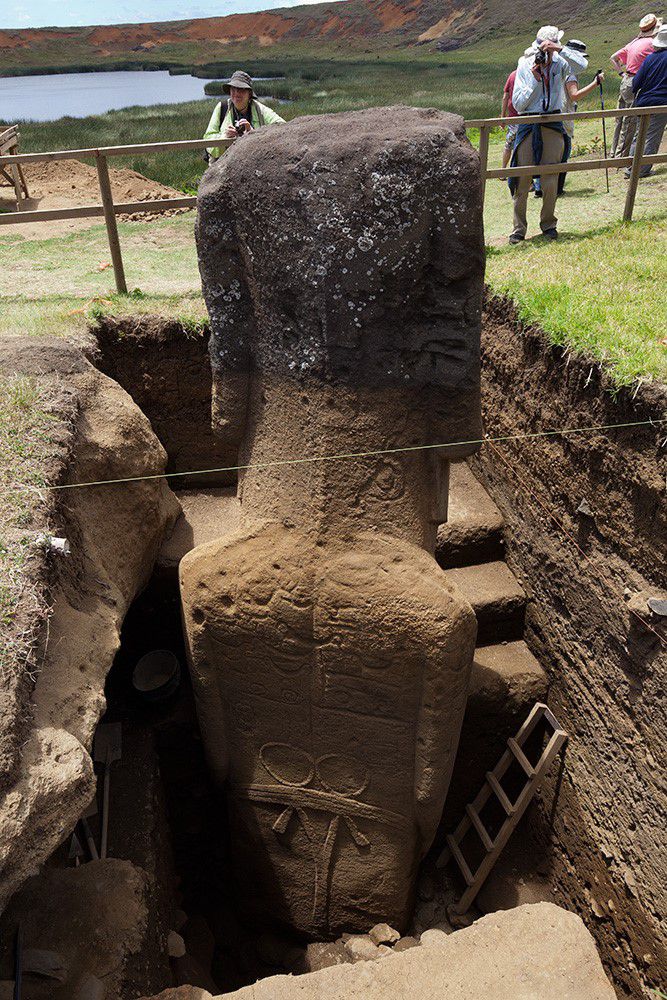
{"x": 513, "y": 810}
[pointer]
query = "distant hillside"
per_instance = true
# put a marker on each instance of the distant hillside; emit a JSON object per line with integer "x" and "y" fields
{"x": 351, "y": 24}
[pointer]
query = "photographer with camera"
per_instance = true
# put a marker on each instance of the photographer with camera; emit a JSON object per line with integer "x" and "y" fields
{"x": 539, "y": 89}
{"x": 574, "y": 50}
{"x": 243, "y": 113}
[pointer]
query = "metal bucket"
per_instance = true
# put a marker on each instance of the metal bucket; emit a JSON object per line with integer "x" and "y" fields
{"x": 157, "y": 675}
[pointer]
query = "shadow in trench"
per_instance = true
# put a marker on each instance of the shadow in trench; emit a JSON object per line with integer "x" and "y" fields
{"x": 178, "y": 832}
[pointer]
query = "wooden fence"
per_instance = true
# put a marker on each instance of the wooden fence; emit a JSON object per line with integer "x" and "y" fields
{"x": 110, "y": 209}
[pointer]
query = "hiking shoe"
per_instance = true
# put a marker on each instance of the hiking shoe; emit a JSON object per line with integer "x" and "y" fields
{"x": 516, "y": 238}
{"x": 537, "y": 194}
{"x": 550, "y": 234}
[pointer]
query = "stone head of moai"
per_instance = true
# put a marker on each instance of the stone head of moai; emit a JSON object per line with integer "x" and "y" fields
{"x": 342, "y": 265}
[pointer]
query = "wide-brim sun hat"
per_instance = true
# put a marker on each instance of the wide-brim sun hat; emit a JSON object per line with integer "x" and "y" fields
{"x": 660, "y": 40}
{"x": 239, "y": 79}
{"x": 649, "y": 24}
{"x": 549, "y": 33}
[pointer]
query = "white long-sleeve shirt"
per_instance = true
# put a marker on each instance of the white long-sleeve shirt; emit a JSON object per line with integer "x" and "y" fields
{"x": 536, "y": 97}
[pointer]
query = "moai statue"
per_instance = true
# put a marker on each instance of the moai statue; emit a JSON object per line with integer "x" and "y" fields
{"x": 342, "y": 263}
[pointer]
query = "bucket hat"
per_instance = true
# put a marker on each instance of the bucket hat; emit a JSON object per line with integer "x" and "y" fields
{"x": 660, "y": 40}
{"x": 577, "y": 46}
{"x": 649, "y": 24}
{"x": 239, "y": 79}
{"x": 549, "y": 33}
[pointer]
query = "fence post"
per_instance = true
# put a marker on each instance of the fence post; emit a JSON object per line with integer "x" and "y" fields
{"x": 17, "y": 186}
{"x": 484, "y": 156}
{"x": 110, "y": 219}
{"x": 636, "y": 166}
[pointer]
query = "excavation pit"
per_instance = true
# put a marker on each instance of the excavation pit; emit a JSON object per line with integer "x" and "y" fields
{"x": 591, "y": 841}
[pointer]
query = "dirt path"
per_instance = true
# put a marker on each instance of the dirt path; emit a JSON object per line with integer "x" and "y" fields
{"x": 70, "y": 183}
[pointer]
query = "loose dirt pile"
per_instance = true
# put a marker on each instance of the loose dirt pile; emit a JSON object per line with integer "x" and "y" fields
{"x": 70, "y": 183}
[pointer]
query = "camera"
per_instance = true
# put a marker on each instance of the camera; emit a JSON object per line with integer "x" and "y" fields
{"x": 239, "y": 129}
{"x": 540, "y": 58}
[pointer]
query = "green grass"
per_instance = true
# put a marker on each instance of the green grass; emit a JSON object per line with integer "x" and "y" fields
{"x": 24, "y": 442}
{"x": 591, "y": 290}
{"x": 66, "y": 315}
{"x": 160, "y": 262}
{"x": 162, "y": 254}
{"x": 598, "y": 293}
{"x": 468, "y": 81}
{"x": 599, "y": 289}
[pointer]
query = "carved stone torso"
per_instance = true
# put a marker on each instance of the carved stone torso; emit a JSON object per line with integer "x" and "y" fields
{"x": 342, "y": 269}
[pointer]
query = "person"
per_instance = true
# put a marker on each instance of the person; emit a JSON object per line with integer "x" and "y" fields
{"x": 627, "y": 62}
{"x": 509, "y": 111}
{"x": 573, "y": 92}
{"x": 243, "y": 113}
{"x": 650, "y": 89}
{"x": 539, "y": 88}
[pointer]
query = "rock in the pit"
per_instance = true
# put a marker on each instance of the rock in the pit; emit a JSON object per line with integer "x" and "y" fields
{"x": 538, "y": 952}
{"x": 181, "y": 993}
{"x": 175, "y": 945}
{"x": 360, "y": 948}
{"x": 323, "y": 955}
{"x": 405, "y": 944}
{"x": 434, "y": 936}
{"x": 44, "y": 963}
{"x": 383, "y": 934}
{"x": 90, "y": 988}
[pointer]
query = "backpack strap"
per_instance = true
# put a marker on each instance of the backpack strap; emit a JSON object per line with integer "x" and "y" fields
{"x": 260, "y": 116}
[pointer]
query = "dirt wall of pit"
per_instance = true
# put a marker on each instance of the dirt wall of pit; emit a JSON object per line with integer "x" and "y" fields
{"x": 166, "y": 370}
{"x": 56, "y": 687}
{"x": 586, "y": 530}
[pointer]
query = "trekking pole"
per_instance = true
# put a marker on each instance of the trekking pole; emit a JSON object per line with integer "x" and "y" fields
{"x": 604, "y": 125}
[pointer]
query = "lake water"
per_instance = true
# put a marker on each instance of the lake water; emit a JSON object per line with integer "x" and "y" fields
{"x": 45, "y": 98}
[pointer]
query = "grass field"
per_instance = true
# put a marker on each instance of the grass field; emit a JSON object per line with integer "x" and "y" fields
{"x": 468, "y": 81}
{"x": 590, "y": 290}
{"x": 24, "y": 443}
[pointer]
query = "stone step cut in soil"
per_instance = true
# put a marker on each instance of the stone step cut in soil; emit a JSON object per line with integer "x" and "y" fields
{"x": 473, "y": 532}
{"x": 508, "y": 670}
{"x": 496, "y": 596}
{"x": 505, "y": 683}
{"x": 207, "y": 514}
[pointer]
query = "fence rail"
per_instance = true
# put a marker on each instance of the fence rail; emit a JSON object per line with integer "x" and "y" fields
{"x": 110, "y": 209}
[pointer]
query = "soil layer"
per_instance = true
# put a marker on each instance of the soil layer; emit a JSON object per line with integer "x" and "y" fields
{"x": 166, "y": 370}
{"x": 586, "y": 531}
{"x": 71, "y": 184}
